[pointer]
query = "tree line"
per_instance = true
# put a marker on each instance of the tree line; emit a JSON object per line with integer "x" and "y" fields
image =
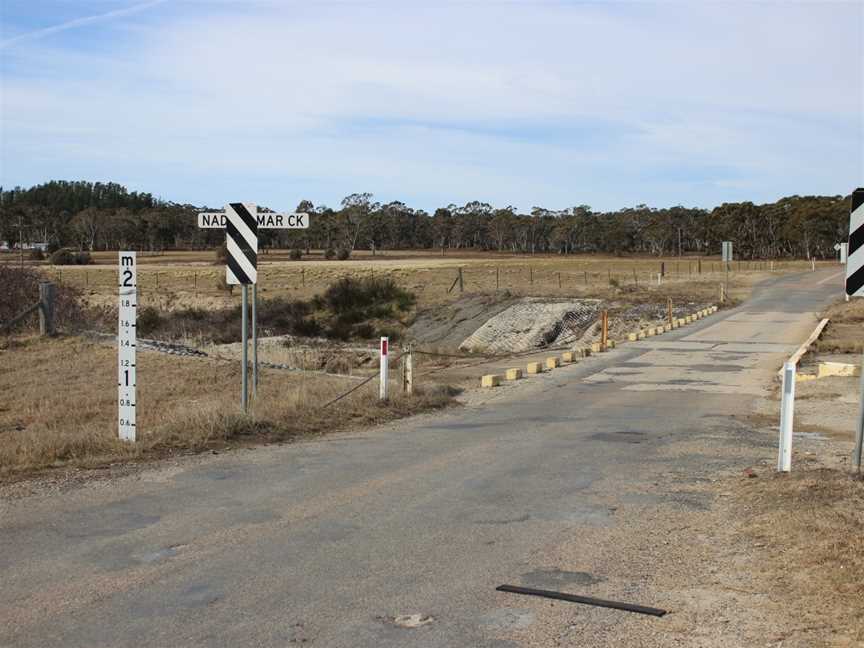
{"x": 106, "y": 216}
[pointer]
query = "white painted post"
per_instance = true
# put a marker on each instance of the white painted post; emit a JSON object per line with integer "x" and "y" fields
{"x": 409, "y": 371}
{"x": 813, "y": 264}
{"x": 659, "y": 278}
{"x": 787, "y": 409}
{"x": 126, "y": 342}
{"x": 859, "y": 432}
{"x": 383, "y": 379}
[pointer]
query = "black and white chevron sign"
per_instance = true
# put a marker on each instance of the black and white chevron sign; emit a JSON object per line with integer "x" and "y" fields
{"x": 855, "y": 256}
{"x": 241, "y": 237}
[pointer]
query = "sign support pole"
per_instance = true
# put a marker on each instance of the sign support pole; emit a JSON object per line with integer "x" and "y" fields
{"x": 244, "y": 399}
{"x": 859, "y": 434}
{"x": 255, "y": 340}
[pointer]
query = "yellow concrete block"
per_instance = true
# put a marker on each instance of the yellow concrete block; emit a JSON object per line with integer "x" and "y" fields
{"x": 632, "y": 337}
{"x": 682, "y": 322}
{"x": 650, "y": 332}
{"x": 586, "y": 352}
{"x": 490, "y": 380}
{"x": 553, "y": 363}
{"x": 569, "y": 356}
{"x": 799, "y": 377}
{"x": 513, "y": 374}
{"x": 640, "y": 335}
{"x": 827, "y": 369}
{"x": 535, "y": 368}
{"x": 667, "y": 327}
{"x": 674, "y": 325}
{"x": 596, "y": 348}
{"x": 610, "y": 344}
{"x": 688, "y": 319}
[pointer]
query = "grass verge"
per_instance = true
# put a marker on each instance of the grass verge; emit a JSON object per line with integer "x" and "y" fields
{"x": 813, "y": 521}
{"x": 59, "y": 408}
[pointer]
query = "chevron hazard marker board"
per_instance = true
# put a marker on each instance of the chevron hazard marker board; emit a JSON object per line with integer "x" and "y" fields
{"x": 241, "y": 238}
{"x": 855, "y": 258}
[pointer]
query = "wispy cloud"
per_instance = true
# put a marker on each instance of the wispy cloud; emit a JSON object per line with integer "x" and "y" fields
{"x": 520, "y": 103}
{"x": 78, "y": 22}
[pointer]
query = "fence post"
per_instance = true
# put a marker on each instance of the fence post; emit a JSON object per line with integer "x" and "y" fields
{"x": 408, "y": 371}
{"x": 787, "y": 410}
{"x": 497, "y": 278}
{"x": 384, "y": 369}
{"x": 559, "y": 280}
{"x": 604, "y": 332}
{"x": 461, "y": 281}
{"x": 47, "y": 292}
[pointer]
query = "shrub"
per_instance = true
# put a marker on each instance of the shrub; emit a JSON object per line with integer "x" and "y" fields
{"x": 329, "y": 253}
{"x": 343, "y": 254}
{"x": 148, "y": 321}
{"x": 63, "y": 256}
{"x": 37, "y": 255}
{"x": 295, "y": 254}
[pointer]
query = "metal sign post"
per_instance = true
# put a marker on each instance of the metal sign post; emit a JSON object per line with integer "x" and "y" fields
{"x": 241, "y": 222}
{"x": 126, "y": 343}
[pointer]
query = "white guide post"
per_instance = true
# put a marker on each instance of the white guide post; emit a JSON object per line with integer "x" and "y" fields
{"x": 126, "y": 341}
{"x": 383, "y": 380}
{"x": 787, "y": 409}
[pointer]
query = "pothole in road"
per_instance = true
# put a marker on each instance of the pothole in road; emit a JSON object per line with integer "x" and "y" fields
{"x": 557, "y": 578}
{"x": 409, "y": 621}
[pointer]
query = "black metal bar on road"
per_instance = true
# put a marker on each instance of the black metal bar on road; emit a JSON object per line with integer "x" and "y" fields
{"x": 587, "y": 600}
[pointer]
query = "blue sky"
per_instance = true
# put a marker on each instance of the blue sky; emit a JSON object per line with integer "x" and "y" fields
{"x": 553, "y": 104}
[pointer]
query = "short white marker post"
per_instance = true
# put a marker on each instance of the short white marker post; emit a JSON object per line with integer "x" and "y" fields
{"x": 382, "y": 383}
{"x": 859, "y": 432}
{"x": 126, "y": 341}
{"x": 787, "y": 409}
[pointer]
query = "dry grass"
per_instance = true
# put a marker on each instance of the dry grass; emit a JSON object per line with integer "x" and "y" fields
{"x": 187, "y": 279}
{"x": 813, "y": 521}
{"x": 843, "y": 333}
{"x": 58, "y": 406}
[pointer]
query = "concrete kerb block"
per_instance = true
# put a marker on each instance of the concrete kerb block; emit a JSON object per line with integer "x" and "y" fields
{"x": 596, "y": 347}
{"x": 640, "y": 335}
{"x": 681, "y": 322}
{"x": 632, "y": 337}
{"x": 490, "y": 380}
{"x": 534, "y": 368}
{"x": 513, "y": 374}
{"x": 827, "y": 369}
{"x": 553, "y": 362}
{"x": 650, "y": 332}
{"x": 569, "y": 356}
{"x": 610, "y": 344}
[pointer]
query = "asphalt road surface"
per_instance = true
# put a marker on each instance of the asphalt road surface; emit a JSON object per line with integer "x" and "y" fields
{"x": 326, "y": 542}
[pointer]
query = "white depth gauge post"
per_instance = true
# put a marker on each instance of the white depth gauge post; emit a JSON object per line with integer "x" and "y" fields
{"x": 126, "y": 341}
